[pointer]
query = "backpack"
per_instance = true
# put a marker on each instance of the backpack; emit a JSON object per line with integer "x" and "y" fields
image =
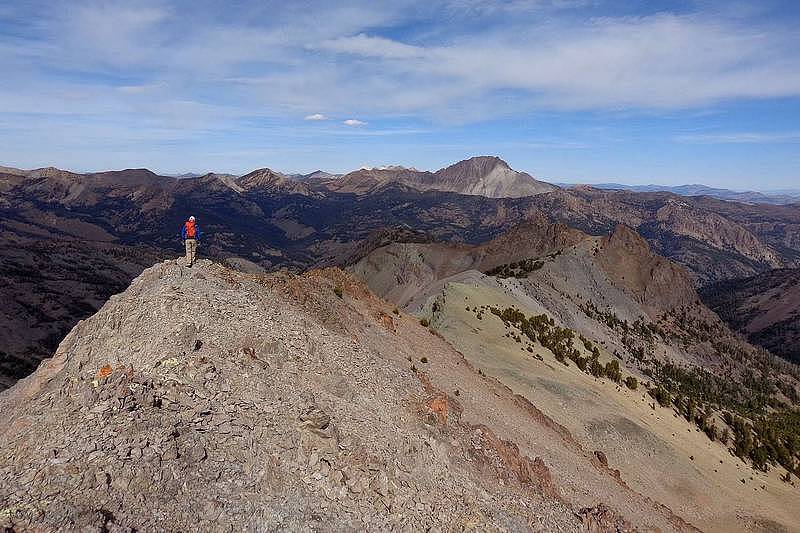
{"x": 191, "y": 230}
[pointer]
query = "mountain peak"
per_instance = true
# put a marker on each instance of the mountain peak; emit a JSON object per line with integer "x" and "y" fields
{"x": 653, "y": 280}
{"x": 51, "y": 172}
{"x": 488, "y": 176}
{"x": 478, "y": 165}
{"x": 262, "y": 176}
{"x": 126, "y": 172}
{"x": 130, "y": 177}
{"x": 269, "y": 180}
{"x": 261, "y": 173}
{"x": 391, "y": 167}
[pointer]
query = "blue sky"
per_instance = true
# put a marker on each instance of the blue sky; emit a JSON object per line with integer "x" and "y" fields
{"x": 569, "y": 90}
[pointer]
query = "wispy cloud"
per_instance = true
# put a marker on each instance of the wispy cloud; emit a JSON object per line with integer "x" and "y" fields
{"x": 661, "y": 61}
{"x": 118, "y": 70}
{"x": 387, "y": 132}
{"x": 371, "y": 46}
{"x": 741, "y": 138}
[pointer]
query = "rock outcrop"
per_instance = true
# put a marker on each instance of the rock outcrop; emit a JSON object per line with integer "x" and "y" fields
{"x": 653, "y": 281}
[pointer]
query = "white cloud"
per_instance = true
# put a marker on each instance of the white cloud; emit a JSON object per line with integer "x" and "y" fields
{"x": 662, "y": 61}
{"x": 316, "y": 117}
{"x": 146, "y": 65}
{"x": 510, "y": 65}
{"x": 369, "y": 46}
{"x": 108, "y": 34}
{"x": 492, "y": 7}
{"x": 141, "y": 89}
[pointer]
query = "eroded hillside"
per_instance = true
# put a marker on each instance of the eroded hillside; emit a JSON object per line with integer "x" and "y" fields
{"x": 765, "y": 308}
{"x": 611, "y": 341}
{"x": 207, "y": 398}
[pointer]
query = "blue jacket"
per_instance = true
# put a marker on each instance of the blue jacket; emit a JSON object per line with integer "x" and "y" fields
{"x": 197, "y": 232}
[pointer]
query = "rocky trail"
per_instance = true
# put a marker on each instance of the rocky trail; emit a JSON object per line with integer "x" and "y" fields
{"x": 206, "y": 399}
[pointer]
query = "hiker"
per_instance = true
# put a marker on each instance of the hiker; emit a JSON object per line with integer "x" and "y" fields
{"x": 191, "y": 237}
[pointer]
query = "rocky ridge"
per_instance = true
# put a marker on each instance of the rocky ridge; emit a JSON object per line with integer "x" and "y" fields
{"x": 206, "y": 398}
{"x": 615, "y": 304}
{"x": 268, "y": 180}
{"x": 403, "y": 270}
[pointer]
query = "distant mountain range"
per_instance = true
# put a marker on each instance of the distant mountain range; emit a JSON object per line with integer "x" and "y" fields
{"x": 317, "y": 174}
{"x": 479, "y": 176}
{"x": 778, "y": 197}
{"x": 96, "y": 231}
{"x": 492, "y": 177}
{"x": 487, "y": 176}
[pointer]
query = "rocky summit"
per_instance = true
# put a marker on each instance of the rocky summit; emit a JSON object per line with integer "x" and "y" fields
{"x": 208, "y": 399}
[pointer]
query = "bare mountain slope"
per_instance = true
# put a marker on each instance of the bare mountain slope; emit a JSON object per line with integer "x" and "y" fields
{"x": 367, "y": 181}
{"x": 781, "y": 197}
{"x": 623, "y": 256}
{"x": 488, "y": 176}
{"x": 267, "y": 180}
{"x": 610, "y": 341}
{"x": 483, "y": 176}
{"x": 655, "y": 282}
{"x": 765, "y": 308}
{"x": 208, "y": 399}
{"x": 713, "y": 238}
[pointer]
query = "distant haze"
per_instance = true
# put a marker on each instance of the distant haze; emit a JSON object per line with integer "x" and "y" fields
{"x": 786, "y": 196}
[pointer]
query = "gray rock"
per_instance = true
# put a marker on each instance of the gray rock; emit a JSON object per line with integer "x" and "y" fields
{"x": 240, "y": 430}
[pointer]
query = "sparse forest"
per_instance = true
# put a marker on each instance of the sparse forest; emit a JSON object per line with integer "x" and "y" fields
{"x": 517, "y": 269}
{"x": 746, "y": 415}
